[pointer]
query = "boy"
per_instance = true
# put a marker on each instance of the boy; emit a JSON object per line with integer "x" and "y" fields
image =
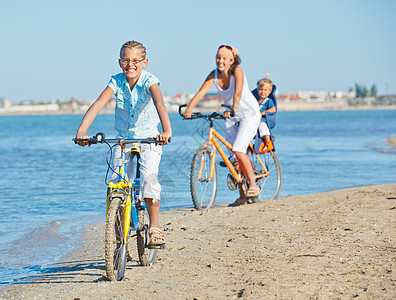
{"x": 267, "y": 108}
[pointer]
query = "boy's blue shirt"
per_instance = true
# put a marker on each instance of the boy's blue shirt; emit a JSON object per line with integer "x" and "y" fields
{"x": 266, "y": 104}
{"x": 135, "y": 112}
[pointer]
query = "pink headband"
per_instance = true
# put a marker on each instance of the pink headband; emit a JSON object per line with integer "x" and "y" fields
{"x": 231, "y": 55}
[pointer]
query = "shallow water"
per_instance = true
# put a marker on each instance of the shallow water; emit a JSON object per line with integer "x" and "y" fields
{"x": 50, "y": 188}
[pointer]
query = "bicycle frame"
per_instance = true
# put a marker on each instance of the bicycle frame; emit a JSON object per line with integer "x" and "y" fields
{"x": 213, "y": 134}
{"x": 124, "y": 188}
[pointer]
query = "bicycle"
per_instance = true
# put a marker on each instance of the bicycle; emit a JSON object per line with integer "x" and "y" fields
{"x": 125, "y": 213}
{"x": 203, "y": 175}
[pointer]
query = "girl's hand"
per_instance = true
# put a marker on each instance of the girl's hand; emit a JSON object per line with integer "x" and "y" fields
{"x": 163, "y": 137}
{"x": 82, "y": 143}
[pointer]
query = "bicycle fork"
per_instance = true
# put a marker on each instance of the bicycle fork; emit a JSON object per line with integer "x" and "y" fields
{"x": 118, "y": 189}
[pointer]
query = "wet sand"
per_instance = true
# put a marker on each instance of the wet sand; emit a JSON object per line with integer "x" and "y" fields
{"x": 333, "y": 245}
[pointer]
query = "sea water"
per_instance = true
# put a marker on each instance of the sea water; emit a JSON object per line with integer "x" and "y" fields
{"x": 50, "y": 188}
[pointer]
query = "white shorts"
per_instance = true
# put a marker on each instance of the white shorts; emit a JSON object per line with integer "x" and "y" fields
{"x": 239, "y": 133}
{"x": 263, "y": 129}
{"x": 150, "y": 157}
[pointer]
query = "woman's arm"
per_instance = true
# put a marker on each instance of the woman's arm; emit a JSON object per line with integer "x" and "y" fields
{"x": 91, "y": 114}
{"x": 162, "y": 113}
{"x": 199, "y": 95}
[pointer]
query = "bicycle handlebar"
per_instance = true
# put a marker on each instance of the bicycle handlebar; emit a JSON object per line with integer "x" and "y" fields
{"x": 214, "y": 115}
{"x": 100, "y": 138}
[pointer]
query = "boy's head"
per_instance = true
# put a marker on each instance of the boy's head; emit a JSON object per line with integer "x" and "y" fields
{"x": 132, "y": 60}
{"x": 264, "y": 88}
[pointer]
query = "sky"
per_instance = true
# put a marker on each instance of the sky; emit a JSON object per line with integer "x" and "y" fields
{"x": 62, "y": 49}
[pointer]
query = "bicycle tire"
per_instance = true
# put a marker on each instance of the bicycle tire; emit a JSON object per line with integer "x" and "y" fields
{"x": 116, "y": 249}
{"x": 146, "y": 256}
{"x": 270, "y": 186}
{"x": 203, "y": 195}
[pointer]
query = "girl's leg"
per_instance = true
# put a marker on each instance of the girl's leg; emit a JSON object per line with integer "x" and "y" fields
{"x": 150, "y": 157}
{"x": 153, "y": 211}
{"x": 156, "y": 235}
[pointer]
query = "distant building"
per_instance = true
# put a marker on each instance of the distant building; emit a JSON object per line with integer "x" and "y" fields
{"x": 211, "y": 100}
{"x": 5, "y": 103}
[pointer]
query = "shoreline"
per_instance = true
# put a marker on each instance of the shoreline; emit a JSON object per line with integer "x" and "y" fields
{"x": 282, "y": 108}
{"x": 342, "y": 246}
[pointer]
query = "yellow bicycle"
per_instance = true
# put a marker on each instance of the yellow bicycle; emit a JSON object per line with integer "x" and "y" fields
{"x": 126, "y": 215}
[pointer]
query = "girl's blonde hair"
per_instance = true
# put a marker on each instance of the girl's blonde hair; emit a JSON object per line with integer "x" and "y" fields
{"x": 263, "y": 81}
{"x": 131, "y": 45}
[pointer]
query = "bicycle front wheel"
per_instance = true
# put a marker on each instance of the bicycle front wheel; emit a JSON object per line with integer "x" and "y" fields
{"x": 115, "y": 247}
{"x": 146, "y": 256}
{"x": 203, "y": 188}
{"x": 270, "y": 185}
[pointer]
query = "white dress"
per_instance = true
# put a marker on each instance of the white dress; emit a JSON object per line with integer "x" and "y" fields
{"x": 241, "y": 128}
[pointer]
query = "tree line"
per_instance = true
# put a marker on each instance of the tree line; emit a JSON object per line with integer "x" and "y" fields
{"x": 362, "y": 91}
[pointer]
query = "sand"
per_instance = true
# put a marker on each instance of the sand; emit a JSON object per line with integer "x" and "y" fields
{"x": 333, "y": 245}
{"x": 391, "y": 142}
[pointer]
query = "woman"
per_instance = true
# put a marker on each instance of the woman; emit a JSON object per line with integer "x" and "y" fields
{"x": 232, "y": 87}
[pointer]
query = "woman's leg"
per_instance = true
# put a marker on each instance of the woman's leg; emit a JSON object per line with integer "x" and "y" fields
{"x": 246, "y": 167}
{"x": 246, "y": 131}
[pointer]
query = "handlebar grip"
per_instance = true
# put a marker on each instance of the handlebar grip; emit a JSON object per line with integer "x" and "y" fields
{"x": 232, "y": 110}
{"x": 180, "y": 107}
{"x": 97, "y": 138}
{"x": 162, "y": 142}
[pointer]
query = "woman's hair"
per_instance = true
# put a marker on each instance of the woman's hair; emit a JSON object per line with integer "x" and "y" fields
{"x": 263, "y": 81}
{"x": 131, "y": 45}
{"x": 236, "y": 63}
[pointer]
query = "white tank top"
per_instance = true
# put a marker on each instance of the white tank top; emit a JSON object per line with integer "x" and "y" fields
{"x": 248, "y": 105}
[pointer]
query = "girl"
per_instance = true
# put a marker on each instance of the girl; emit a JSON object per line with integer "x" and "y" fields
{"x": 139, "y": 110}
{"x": 230, "y": 82}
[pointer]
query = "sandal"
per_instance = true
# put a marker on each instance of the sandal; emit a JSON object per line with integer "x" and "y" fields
{"x": 253, "y": 192}
{"x": 157, "y": 239}
{"x": 238, "y": 202}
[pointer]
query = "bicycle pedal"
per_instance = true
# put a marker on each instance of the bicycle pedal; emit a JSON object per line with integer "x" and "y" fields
{"x": 223, "y": 164}
{"x": 156, "y": 246}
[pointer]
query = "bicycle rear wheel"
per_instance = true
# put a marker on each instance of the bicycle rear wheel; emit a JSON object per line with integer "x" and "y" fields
{"x": 115, "y": 247}
{"x": 203, "y": 190}
{"x": 270, "y": 186}
{"x": 146, "y": 256}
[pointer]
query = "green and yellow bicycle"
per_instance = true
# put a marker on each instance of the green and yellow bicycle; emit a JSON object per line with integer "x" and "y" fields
{"x": 126, "y": 215}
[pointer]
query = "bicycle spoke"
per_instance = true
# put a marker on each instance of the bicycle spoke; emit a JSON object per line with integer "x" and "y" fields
{"x": 203, "y": 188}
{"x": 270, "y": 184}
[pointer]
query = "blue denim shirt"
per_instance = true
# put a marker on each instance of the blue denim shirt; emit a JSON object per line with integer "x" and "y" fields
{"x": 135, "y": 113}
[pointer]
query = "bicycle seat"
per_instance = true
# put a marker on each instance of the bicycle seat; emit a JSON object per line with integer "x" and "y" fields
{"x": 135, "y": 151}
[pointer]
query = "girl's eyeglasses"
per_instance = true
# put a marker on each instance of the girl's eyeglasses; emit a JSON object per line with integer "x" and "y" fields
{"x": 125, "y": 61}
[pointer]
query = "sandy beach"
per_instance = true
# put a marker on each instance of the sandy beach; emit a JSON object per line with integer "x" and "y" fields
{"x": 333, "y": 245}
